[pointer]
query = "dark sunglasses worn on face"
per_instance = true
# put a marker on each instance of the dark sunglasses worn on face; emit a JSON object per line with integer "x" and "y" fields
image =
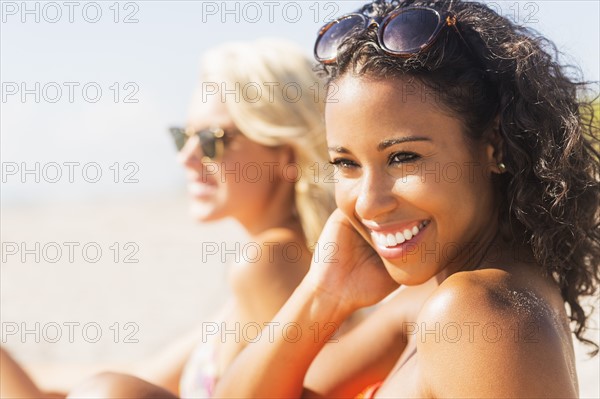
{"x": 212, "y": 140}
{"x": 404, "y": 32}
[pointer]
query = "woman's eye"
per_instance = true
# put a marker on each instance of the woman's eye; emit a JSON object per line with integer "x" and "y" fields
{"x": 403, "y": 157}
{"x": 343, "y": 163}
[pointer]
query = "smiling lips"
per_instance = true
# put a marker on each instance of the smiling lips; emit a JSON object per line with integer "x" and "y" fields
{"x": 392, "y": 239}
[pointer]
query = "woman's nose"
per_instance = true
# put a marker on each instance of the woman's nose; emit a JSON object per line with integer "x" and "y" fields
{"x": 190, "y": 155}
{"x": 375, "y": 196}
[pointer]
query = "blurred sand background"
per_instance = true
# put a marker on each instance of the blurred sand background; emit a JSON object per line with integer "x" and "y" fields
{"x": 166, "y": 293}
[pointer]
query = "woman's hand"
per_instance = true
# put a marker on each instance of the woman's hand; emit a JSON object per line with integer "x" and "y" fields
{"x": 347, "y": 268}
{"x": 346, "y": 273}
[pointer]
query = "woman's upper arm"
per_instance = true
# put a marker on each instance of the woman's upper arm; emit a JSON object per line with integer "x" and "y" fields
{"x": 485, "y": 349}
{"x": 361, "y": 357}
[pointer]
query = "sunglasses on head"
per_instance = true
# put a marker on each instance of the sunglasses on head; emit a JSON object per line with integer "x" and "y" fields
{"x": 403, "y": 32}
{"x": 212, "y": 140}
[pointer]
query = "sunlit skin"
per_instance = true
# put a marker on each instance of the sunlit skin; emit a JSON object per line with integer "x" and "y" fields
{"x": 403, "y": 173}
{"x": 246, "y": 183}
{"x": 460, "y": 272}
{"x": 402, "y": 166}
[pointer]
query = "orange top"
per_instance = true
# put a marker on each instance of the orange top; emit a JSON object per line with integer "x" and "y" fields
{"x": 369, "y": 392}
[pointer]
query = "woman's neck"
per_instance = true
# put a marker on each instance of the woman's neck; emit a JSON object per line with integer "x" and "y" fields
{"x": 279, "y": 212}
{"x": 483, "y": 253}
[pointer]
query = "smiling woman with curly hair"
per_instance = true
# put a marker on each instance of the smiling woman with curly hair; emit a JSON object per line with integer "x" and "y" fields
{"x": 467, "y": 161}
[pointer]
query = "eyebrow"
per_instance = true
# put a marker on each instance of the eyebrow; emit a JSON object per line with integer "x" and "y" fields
{"x": 384, "y": 144}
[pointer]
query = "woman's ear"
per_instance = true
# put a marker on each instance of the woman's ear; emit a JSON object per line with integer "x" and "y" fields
{"x": 289, "y": 154}
{"x": 495, "y": 148}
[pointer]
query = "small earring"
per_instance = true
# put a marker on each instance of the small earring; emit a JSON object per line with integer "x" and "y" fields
{"x": 502, "y": 167}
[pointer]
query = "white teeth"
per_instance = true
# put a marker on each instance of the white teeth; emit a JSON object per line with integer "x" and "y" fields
{"x": 391, "y": 240}
{"x": 375, "y": 238}
{"x": 400, "y": 238}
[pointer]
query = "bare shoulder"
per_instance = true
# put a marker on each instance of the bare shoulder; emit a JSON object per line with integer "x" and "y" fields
{"x": 285, "y": 246}
{"x": 270, "y": 268}
{"x": 490, "y": 333}
{"x": 489, "y": 293}
{"x": 275, "y": 254}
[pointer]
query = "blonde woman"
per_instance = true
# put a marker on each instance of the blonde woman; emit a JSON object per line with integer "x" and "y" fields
{"x": 253, "y": 149}
{"x": 260, "y": 99}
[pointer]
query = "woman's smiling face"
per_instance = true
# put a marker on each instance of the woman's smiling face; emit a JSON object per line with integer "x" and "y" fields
{"x": 408, "y": 179}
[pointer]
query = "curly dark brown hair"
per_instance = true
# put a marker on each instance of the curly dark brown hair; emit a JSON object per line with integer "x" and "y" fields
{"x": 496, "y": 72}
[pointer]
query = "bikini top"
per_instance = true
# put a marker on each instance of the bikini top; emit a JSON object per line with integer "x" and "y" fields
{"x": 200, "y": 373}
{"x": 369, "y": 392}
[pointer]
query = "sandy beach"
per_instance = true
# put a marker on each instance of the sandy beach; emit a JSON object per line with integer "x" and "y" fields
{"x": 138, "y": 295}
{"x": 153, "y": 280}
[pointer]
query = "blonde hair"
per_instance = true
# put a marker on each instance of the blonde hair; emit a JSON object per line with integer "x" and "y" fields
{"x": 274, "y": 98}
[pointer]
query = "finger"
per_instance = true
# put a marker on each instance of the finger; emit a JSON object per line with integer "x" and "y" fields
{"x": 358, "y": 229}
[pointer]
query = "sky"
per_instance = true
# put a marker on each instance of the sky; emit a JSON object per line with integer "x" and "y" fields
{"x": 89, "y": 88}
